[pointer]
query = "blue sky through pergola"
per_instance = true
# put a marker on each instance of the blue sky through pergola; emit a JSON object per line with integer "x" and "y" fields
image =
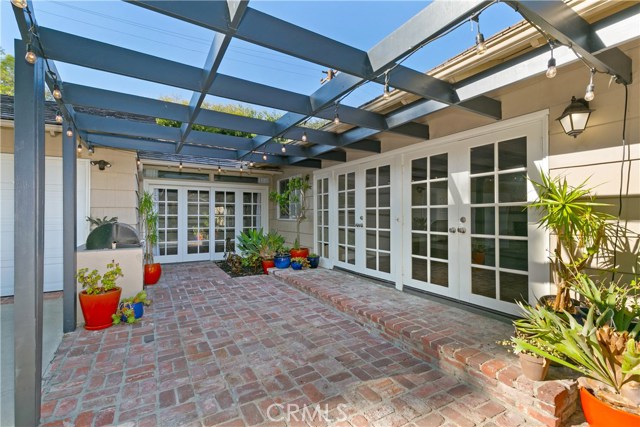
{"x": 358, "y": 23}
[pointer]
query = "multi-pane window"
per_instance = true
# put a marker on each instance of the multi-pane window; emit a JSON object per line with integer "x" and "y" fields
{"x": 167, "y": 221}
{"x": 378, "y": 218}
{"x": 251, "y": 211}
{"x": 225, "y": 221}
{"x": 198, "y": 221}
{"x": 499, "y": 249}
{"x": 347, "y": 217}
{"x": 322, "y": 213}
{"x": 291, "y": 210}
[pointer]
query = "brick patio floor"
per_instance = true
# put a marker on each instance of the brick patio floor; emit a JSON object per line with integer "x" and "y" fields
{"x": 218, "y": 351}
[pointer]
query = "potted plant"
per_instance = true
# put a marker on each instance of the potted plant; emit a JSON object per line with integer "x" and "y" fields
{"x": 295, "y": 196}
{"x": 568, "y": 213}
{"x": 477, "y": 253}
{"x": 314, "y": 260}
{"x": 272, "y": 243}
{"x": 99, "y": 296}
{"x": 249, "y": 244}
{"x": 131, "y": 309}
{"x": 603, "y": 349}
{"x": 149, "y": 222}
{"x": 282, "y": 258}
{"x": 298, "y": 263}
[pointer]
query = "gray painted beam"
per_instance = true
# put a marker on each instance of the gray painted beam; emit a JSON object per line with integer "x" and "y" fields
{"x": 212, "y": 63}
{"x": 29, "y": 152}
{"x": 69, "y": 237}
{"x": 559, "y": 20}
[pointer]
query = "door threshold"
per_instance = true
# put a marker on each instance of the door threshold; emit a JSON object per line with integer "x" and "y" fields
{"x": 451, "y": 302}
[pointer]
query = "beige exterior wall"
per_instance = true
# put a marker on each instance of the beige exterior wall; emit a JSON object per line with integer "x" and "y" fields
{"x": 595, "y": 155}
{"x": 113, "y": 190}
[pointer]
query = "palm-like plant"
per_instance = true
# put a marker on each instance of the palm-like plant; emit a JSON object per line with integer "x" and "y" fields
{"x": 569, "y": 213}
{"x": 149, "y": 222}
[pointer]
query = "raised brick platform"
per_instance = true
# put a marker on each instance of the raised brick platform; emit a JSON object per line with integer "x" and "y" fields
{"x": 459, "y": 342}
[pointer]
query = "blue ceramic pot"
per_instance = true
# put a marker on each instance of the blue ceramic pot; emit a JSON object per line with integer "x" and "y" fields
{"x": 138, "y": 310}
{"x": 282, "y": 261}
{"x": 314, "y": 261}
{"x": 296, "y": 266}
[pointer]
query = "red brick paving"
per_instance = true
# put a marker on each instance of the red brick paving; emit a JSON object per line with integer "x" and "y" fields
{"x": 218, "y": 351}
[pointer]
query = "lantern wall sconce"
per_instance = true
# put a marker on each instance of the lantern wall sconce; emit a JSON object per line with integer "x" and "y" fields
{"x": 574, "y": 118}
{"x": 102, "y": 164}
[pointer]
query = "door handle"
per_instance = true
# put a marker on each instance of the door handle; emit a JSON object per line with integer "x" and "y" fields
{"x": 462, "y": 230}
{"x": 358, "y": 225}
{"x": 452, "y": 230}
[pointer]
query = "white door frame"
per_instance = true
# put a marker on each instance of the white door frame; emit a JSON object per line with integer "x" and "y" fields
{"x": 535, "y": 125}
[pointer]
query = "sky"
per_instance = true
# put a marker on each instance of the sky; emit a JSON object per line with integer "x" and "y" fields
{"x": 361, "y": 24}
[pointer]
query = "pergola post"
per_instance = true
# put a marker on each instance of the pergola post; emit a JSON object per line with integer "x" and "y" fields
{"x": 69, "y": 231}
{"x": 29, "y": 236}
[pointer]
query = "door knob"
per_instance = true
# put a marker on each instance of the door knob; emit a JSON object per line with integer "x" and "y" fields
{"x": 452, "y": 230}
{"x": 462, "y": 230}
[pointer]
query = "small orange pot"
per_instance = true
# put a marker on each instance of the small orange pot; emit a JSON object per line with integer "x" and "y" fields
{"x": 299, "y": 253}
{"x": 600, "y": 414}
{"x": 267, "y": 264}
{"x": 98, "y": 309}
{"x": 152, "y": 273}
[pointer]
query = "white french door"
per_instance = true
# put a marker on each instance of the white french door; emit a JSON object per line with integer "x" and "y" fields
{"x": 368, "y": 219}
{"x": 197, "y": 223}
{"x": 448, "y": 217}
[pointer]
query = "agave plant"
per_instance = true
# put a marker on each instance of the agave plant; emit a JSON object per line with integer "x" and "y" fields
{"x": 569, "y": 213}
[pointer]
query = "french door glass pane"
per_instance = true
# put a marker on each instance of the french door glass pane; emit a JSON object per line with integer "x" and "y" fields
{"x": 378, "y": 222}
{"x": 167, "y": 207}
{"x": 251, "y": 211}
{"x": 225, "y": 221}
{"x": 346, "y": 217}
{"x": 197, "y": 221}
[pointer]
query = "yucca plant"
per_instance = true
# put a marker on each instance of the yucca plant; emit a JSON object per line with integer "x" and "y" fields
{"x": 149, "y": 222}
{"x": 569, "y": 213}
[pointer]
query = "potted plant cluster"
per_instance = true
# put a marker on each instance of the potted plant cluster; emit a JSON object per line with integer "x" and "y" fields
{"x": 295, "y": 196}
{"x": 131, "y": 309}
{"x": 282, "y": 258}
{"x": 298, "y": 263}
{"x": 568, "y": 213}
{"x": 603, "y": 349}
{"x": 149, "y": 222}
{"x": 100, "y": 295}
{"x": 259, "y": 248}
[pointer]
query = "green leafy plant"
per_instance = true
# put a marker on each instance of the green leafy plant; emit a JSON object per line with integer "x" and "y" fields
{"x": 313, "y": 255}
{"x": 126, "y": 310}
{"x": 300, "y": 260}
{"x": 283, "y": 251}
{"x": 96, "y": 222}
{"x": 294, "y": 194}
{"x": 94, "y": 284}
{"x": 149, "y": 222}
{"x": 569, "y": 213}
{"x": 273, "y": 242}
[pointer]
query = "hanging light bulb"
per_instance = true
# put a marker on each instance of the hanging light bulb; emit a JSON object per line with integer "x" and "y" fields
{"x": 251, "y": 164}
{"x": 304, "y": 136}
{"x": 79, "y": 148}
{"x": 58, "y": 117}
{"x": 180, "y": 166}
{"x": 56, "y": 92}
{"x": 551, "y": 65}
{"x": 19, "y": 3}
{"x": 90, "y": 149}
{"x": 241, "y": 168}
{"x": 481, "y": 47}
{"x": 264, "y": 157}
{"x": 219, "y": 168}
{"x": 336, "y": 118}
{"x": 385, "y": 93}
{"x": 138, "y": 162}
{"x": 30, "y": 56}
{"x": 69, "y": 132}
{"x": 284, "y": 149}
{"x": 590, "y": 94}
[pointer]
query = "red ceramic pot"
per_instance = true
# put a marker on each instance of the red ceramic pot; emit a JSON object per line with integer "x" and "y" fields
{"x": 301, "y": 253}
{"x": 152, "y": 273}
{"x": 600, "y": 414}
{"x": 98, "y": 309}
{"x": 267, "y": 264}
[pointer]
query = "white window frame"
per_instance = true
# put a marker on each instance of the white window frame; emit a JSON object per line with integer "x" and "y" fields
{"x": 291, "y": 204}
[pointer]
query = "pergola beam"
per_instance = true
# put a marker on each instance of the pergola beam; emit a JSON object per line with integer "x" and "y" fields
{"x": 559, "y": 20}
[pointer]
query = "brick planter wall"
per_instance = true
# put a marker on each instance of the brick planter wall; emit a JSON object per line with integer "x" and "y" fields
{"x": 422, "y": 326}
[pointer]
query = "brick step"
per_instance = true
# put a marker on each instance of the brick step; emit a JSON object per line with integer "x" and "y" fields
{"x": 444, "y": 336}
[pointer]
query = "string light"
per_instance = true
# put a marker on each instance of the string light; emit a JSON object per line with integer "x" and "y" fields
{"x": 180, "y": 166}
{"x": 264, "y": 157}
{"x": 79, "y": 148}
{"x": 138, "y": 162}
{"x": 241, "y": 168}
{"x": 551, "y": 65}
{"x": 385, "y": 93}
{"x": 590, "y": 94}
{"x": 56, "y": 92}
{"x": 304, "y": 136}
{"x": 284, "y": 149}
{"x": 336, "y": 118}
{"x": 219, "y": 168}
{"x": 22, "y": 4}
{"x": 251, "y": 164}
{"x": 30, "y": 56}
{"x": 481, "y": 46}
{"x": 58, "y": 117}
{"x": 69, "y": 132}
{"x": 90, "y": 149}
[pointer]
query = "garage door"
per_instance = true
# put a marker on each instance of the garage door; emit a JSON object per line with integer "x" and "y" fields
{"x": 52, "y": 222}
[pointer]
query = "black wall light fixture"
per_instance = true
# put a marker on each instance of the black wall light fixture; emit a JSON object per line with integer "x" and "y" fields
{"x": 102, "y": 164}
{"x": 574, "y": 118}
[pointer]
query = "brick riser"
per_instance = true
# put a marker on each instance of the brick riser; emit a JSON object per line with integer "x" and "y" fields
{"x": 550, "y": 402}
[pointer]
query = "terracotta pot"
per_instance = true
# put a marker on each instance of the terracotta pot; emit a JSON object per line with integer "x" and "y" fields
{"x": 267, "y": 264}
{"x": 98, "y": 309}
{"x": 152, "y": 273}
{"x": 477, "y": 257}
{"x": 600, "y": 414}
{"x": 534, "y": 368}
{"x": 299, "y": 253}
